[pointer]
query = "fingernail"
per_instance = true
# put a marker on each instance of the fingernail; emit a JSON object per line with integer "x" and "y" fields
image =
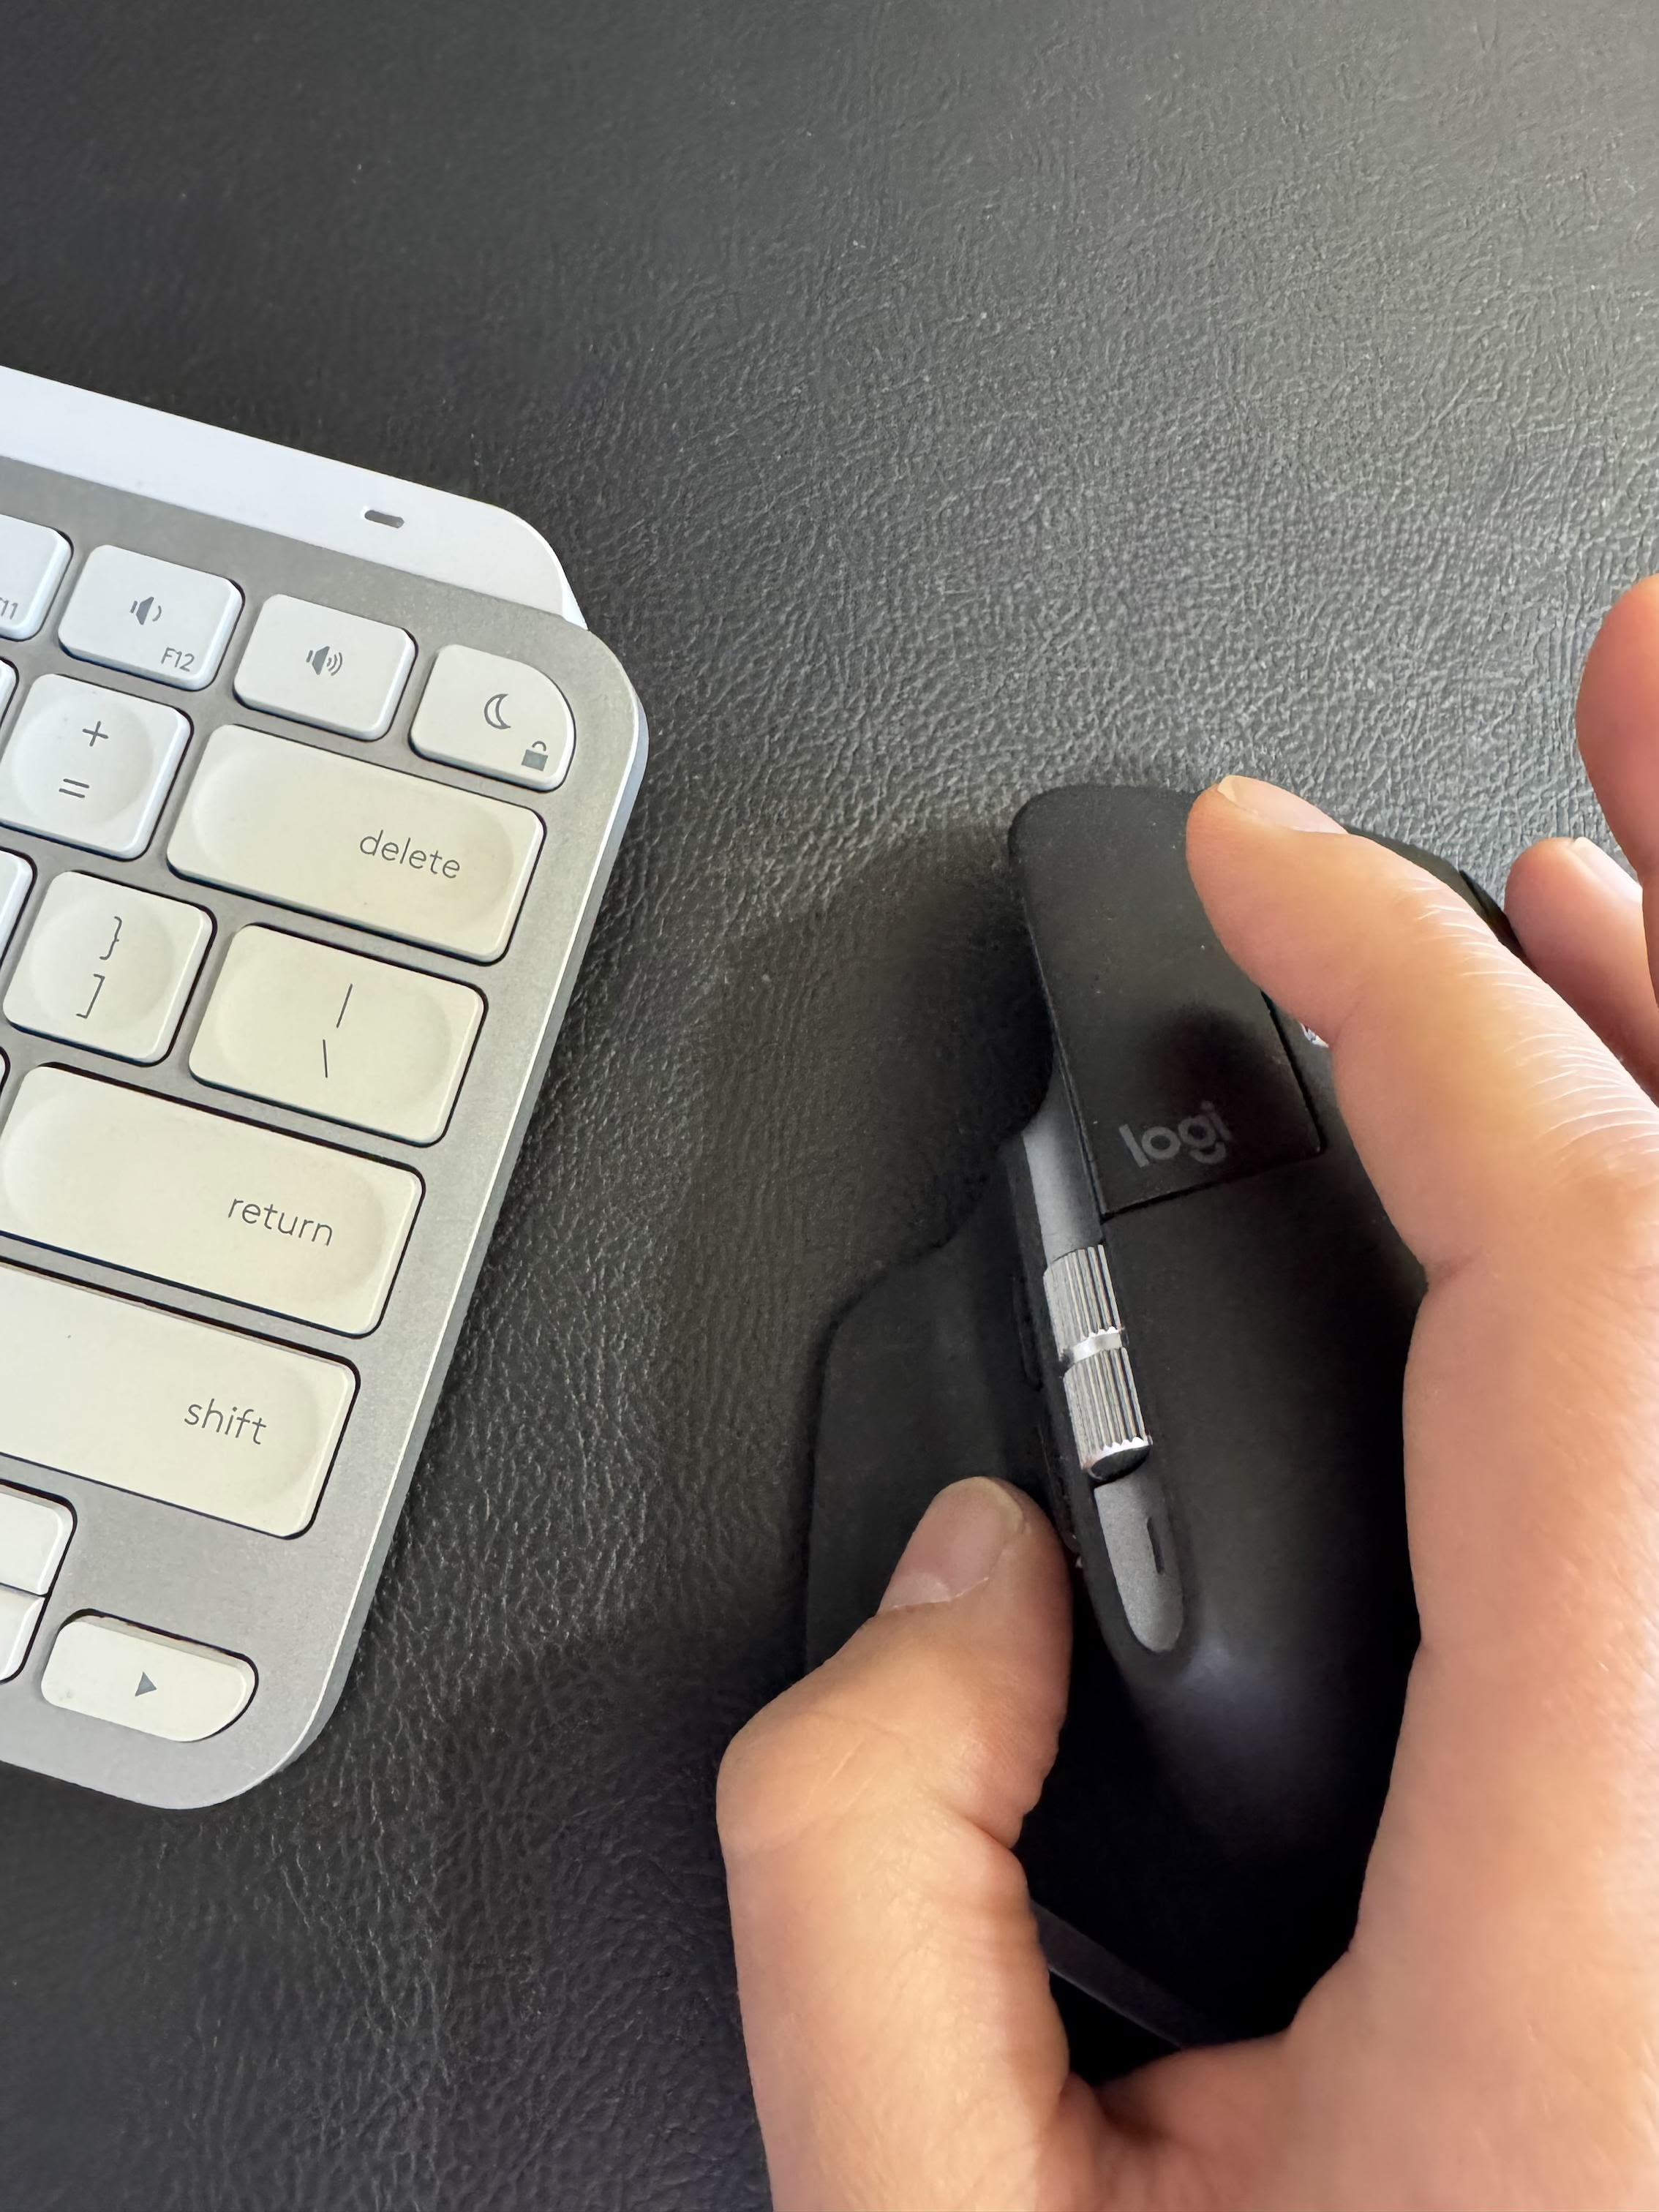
{"x": 1605, "y": 868}
{"x": 1282, "y": 808}
{"x": 956, "y": 1545}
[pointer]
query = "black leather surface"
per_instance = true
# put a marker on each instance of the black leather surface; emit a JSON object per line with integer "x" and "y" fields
{"x": 932, "y": 403}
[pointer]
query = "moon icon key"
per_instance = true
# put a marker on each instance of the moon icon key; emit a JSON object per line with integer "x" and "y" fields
{"x": 498, "y": 717}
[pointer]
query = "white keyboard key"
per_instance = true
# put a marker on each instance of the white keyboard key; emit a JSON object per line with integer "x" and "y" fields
{"x": 108, "y": 967}
{"x": 223, "y": 1207}
{"x": 34, "y": 1534}
{"x": 331, "y": 1033}
{"x": 150, "y": 617}
{"x": 90, "y": 767}
{"x": 33, "y": 560}
{"x": 148, "y": 1402}
{"x": 16, "y": 874}
{"x": 7, "y": 684}
{"x": 159, "y": 1685}
{"x": 313, "y": 664}
{"x": 497, "y": 716}
{"x": 18, "y": 1615}
{"x": 394, "y": 853}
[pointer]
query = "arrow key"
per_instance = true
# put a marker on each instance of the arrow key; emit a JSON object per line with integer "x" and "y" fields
{"x": 112, "y": 1670}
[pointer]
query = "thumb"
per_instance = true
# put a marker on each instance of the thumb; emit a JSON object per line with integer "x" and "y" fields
{"x": 904, "y": 2047}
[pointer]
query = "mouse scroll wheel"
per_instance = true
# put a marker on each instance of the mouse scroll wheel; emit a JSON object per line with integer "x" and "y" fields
{"x": 1109, "y": 1429}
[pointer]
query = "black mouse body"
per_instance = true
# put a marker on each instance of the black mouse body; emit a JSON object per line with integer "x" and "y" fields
{"x": 1180, "y": 1317}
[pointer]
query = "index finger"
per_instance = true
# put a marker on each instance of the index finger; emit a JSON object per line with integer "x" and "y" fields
{"x": 1618, "y": 723}
{"x": 1490, "y": 1116}
{"x": 1522, "y": 1162}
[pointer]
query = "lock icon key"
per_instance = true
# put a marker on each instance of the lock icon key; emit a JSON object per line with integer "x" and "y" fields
{"x": 535, "y": 758}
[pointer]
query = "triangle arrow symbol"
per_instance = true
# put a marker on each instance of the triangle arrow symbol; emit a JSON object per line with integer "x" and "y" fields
{"x": 144, "y": 1686}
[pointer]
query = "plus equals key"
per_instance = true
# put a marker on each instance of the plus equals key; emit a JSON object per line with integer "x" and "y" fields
{"x": 90, "y": 765}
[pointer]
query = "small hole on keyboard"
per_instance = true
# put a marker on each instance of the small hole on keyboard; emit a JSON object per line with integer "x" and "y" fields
{"x": 390, "y": 521}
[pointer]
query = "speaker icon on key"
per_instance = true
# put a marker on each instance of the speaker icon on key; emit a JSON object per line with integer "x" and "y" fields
{"x": 144, "y": 611}
{"x": 326, "y": 660}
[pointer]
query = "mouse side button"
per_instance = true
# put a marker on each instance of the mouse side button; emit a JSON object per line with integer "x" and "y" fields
{"x": 1135, "y": 1526}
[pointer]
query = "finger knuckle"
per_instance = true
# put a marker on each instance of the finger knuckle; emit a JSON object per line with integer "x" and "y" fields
{"x": 1607, "y": 1187}
{"x": 796, "y": 1767}
{"x": 838, "y": 1750}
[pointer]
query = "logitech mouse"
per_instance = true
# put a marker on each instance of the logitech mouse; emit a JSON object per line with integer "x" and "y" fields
{"x": 1180, "y": 1317}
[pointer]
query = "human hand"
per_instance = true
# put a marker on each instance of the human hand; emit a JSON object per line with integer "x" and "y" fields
{"x": 1489, "y": 2041}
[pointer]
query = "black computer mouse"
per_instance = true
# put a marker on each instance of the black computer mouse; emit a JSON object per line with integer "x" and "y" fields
{"x": 1181, "y": 1318}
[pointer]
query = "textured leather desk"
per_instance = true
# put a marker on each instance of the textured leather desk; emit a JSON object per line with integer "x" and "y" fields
{"x": 931, "y": 402}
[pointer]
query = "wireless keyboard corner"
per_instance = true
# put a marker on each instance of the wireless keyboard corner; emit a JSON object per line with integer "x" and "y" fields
{"x": 310, "y": 785}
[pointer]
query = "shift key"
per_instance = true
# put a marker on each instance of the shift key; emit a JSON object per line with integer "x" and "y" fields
{"x": 404, "y": 854}
{"x": 147, "y": 1401}
{"x": 245, "y": 1214}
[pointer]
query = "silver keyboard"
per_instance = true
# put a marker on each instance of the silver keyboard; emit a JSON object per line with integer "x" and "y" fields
{"x": 299, "y": 854}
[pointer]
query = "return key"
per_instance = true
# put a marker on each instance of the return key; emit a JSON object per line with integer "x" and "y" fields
{"x": 241, "y": 1212}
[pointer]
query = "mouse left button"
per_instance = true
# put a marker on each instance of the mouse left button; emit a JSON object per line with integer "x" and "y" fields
{"x": 1176, "y": 1067}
